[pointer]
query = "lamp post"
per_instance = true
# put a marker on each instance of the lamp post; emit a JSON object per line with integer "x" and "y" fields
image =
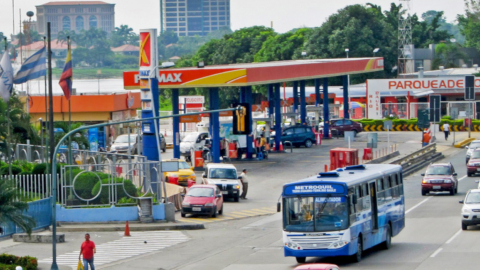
{"x": 375, "y": 51}
{"x": 41, "y": 132}
{"x": 99, "y": 72}
{"x": 347, "y": 50}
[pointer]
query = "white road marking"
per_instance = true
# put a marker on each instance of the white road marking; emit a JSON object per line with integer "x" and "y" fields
{"x": 453, "y": 237}
{"x": 417, "y": 205}
{"x": 125, "y": 247}
{"x": 461, "y": 178}
{"x": 436, "y": 253}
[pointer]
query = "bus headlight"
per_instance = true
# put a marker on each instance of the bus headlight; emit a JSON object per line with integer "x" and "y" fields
{"x": 338, "y": 244}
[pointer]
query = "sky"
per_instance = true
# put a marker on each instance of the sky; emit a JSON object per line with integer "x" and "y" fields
{"x": 285, "y": 14}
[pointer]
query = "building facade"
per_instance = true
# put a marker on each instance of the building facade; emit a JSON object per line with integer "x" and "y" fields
{"x": 194, "y": 17}
{"x": 75, "y": 16}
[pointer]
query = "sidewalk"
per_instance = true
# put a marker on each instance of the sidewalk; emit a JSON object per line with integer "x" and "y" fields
{"x": 133, "y": 225}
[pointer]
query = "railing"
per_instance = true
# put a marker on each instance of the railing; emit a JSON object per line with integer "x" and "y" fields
{"x": 33, "y": 187}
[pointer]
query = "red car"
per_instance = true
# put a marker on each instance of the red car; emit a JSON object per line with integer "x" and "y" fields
{"x": 317, "y": 266}
{"x": 473, "y": 165}
{"x": 440, "y": 177}
{"x": 339, "y": 126}
{"x": 203, "y": 200}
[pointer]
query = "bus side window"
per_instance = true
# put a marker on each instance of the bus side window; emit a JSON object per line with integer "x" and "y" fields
{"x": 395, "y": 188}
{"x": 359, "y": 198}
{"x": 388, "y": 190}
{"x": 380, "y": 192}
{"x": 366, "y": 197}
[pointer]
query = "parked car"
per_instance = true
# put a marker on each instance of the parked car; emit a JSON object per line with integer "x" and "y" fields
{"x": 317, "y": 266}
{"x": 225, "y": 177}
{"x": 471, "y": 208}
{"x": 339, "y": 126}
{"x": 193, "y": 140}
{"x": 203, "y": 200}
{"x": 120, "y": 144}
{"x": 298, "y": 135}
{"x": 440, "y": 177}
{"x": 471, "y": 147}
{"x": 473, "y": 164}
{"x": 185, "y": 172}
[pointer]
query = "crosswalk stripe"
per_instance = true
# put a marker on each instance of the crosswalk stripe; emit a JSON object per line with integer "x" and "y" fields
{"x": 126, "y": 247}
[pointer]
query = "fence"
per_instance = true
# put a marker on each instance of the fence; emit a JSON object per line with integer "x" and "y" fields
{"x": 40, "y": 210}
{"x": 395, "y": 109}
{"x": 468, "y": 108}
{"x": 34, "y": 187}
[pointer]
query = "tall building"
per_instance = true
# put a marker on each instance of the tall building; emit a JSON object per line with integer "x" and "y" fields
{"x": 194, "y": 17}
{"x": 75, "y": 16}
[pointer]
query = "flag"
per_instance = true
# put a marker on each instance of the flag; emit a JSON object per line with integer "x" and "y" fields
{"x": 34, "y": 67}
{"x": 67, "y": 74}
{"x": 6, "y": 77}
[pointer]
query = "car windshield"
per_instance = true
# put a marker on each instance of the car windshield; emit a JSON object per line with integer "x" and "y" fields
{"x": 315, "y": 214}
{"x": 473, "y": 197}
{"x": 223, "y": 173}
{"x": 192, "y": 137}
{"x": 183, "y": 165}
{"x": 200, "y": 192}
{"x": 438, "y": 170}
{"x": 476, "y": 154}
{"x": 474, "y": 145}
{"x": 124, "y": 139}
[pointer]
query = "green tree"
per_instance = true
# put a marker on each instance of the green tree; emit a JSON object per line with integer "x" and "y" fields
{"x": 62, "y": 36}
{"x": 123, "y": 35}
{"x": 283, "y": 46}
{"x": 93, "y": 48}
{"x": 79, "y": 137}
{"x": 446, "y": 54}
{"x": 470, "y": 23}
{"x": 12, "y": 210}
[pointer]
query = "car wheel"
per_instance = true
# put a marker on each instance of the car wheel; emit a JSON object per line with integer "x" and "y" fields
{"x": 308, "y": 143}
{"x": 464, "y": 227}
{"x": 354, "y": 133}
{"x": 183, "y": 214}
{"x": 301, "y": 259}
{"x": 221, "y": 211}
{"x": 469, "y": 174}
{"x": 388, "y": 239}
{"x": 214, "y": 213}
{"x": 424, "y": 192}
{"x": 357, "y": 257}
{"x": 456, "y": 190}
{"x": 452, "y": 191}
{"x": 237, "y": 198}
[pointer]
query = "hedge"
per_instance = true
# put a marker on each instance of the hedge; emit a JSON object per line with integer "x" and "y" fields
{"x": 9, "y": 262}
{"x": 4, "y": 170}
{"x": 41, "y": 168}
{"x": 103, "y": 198}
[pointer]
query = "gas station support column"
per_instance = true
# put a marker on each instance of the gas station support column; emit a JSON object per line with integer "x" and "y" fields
{"x": 278, "y": 118}
{"x": 246, "y": 97}
{"x": 295, "y": 97}
{"x": 271, "y": 98}
{"x": 326, "y": 111}
{"x": 346, "y": 103}
{"x": 303, "y": 104}
{"x": 215, "y": 125}
{"x": 176, "y": 124}
{"x": 317, "y": 93}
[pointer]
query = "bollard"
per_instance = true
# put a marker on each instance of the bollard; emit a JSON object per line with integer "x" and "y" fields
{"x": 326, "y": 168}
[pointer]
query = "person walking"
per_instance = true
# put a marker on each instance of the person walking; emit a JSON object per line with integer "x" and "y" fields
{"x": 87, "y": 250}
{"x": 446, "y": 130}
{"x": 244, "y": 180}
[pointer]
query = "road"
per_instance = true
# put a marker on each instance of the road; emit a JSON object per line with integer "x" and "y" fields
{"x": 249, "y": 236}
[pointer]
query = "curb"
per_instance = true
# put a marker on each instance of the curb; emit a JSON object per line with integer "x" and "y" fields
{"x": 133, "y": 227}
{"x": 462, "y": 143}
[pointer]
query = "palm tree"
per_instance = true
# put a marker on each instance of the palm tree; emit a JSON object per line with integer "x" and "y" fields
{"x": 12, "y": 210}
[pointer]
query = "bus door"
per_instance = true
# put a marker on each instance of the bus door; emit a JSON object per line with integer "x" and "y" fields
{"x": 373, "y": 203}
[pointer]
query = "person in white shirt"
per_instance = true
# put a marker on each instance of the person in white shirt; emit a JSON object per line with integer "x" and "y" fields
{"x": 244, "y": 180}
{"x": 446, "y": 130}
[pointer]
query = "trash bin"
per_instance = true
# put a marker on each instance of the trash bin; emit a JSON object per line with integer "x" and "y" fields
{"x": 342, "y": 157}
{"x": 367, "y": 154}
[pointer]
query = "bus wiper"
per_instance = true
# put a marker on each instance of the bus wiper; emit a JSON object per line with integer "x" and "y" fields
{"x": 324, "y": 205}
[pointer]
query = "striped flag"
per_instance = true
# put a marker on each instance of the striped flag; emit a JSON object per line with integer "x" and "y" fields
{"x": 6, "y": 77}
{"x": 66, "y": 78}
{"x": 34, "y": 67}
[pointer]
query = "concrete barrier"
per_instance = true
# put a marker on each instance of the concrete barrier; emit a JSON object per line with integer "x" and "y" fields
{"x": 464, "y": 142}
{"x": 38, "y": 238}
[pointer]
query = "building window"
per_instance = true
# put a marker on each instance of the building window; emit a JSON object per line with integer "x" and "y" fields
{"x": 171, "y": 29}
{"x": 171, "y": 4}
{"x": 79, "y": 23}
{"x": 222, "y": 23}
{"x": 51, "y": 10}
{"x": 65, "y": 10}
{"x": 92, "y": 22}
{"x": 182, "y": 34}
{"x": 221, "y": 18}
{"x": 181, "y": 9}
{"x": 171, "y": 19}
{"x": 214, "y": 13}
{"x": 182, "y": 24}
{"x": 181, "y": 5}
{"x": 171, "y": 9}
{"x": 181, "y": 14}
{"x": 171, "y": 14}
{"x": 171, "y": 24}
{"x": 78, "y": 10}
{"x": 92, "y": 9}
{"x": 66, "y": 23}
{"x": 182, "y": 29}
{"x": 194, "y": 24}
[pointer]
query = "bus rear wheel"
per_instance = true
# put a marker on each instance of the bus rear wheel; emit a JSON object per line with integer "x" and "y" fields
{"x": 301, "y": 259}
{"x": 388, "y": 239}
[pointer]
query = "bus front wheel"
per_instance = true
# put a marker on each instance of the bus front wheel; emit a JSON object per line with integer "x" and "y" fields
{"x": 357, "y": 257}
{"x": 301, "y": 259}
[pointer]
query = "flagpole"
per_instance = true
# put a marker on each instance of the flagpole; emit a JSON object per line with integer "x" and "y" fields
{"x": 69, "y": 121}
{"x": 8, "y": 127}
{"x": 45, "y": 153}
{"x": 52, "y": 150}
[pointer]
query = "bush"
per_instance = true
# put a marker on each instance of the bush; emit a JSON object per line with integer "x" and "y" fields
{"x": 11, "y": 261}
{"x": 84, "y": 184}
{"x": 41, "y": 168}
{"x": 399, "y": 122}
{"x": 4, "y": 170}
{"x": 103, "y": 198}
{"x": 446, "y": 117}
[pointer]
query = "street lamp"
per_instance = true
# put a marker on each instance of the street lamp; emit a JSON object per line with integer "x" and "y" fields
{"x": 99, "y": 73}
{"x": 41, "y": 133}
{"x": 347, "y": 50}
{"x": 304, "y": 54}
{"x": 348, "y": 78}
{"x": 375, "y": 51}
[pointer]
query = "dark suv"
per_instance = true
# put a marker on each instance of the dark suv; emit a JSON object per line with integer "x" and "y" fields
{"x": 440, "y": 177}
{"x": 339, "y": 126}
{"x": 298, "y": 135}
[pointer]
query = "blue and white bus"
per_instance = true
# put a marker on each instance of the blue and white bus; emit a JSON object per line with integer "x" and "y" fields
{"x": 343, "y": 212}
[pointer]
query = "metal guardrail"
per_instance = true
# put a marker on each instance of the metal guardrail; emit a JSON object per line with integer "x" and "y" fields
{"x": 409, "y": 158}
{"x": 418, "y": 159}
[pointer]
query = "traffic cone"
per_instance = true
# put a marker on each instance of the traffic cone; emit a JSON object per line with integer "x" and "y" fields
{"x": 127, "y": 230}
{"x": 281, "y": 146}
{"x": 165, "y": 135}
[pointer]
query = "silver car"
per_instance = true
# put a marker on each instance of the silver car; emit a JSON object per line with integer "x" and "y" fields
{"x": 471, "y": 147}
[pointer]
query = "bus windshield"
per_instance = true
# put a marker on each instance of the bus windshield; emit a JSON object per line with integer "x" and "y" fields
{"x": 315, "y": 214}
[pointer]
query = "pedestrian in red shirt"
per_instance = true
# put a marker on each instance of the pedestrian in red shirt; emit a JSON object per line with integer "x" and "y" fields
{"x": 87, "y": 250}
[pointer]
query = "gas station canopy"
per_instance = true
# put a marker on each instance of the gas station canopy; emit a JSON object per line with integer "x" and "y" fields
{"x": 249, "y": 74}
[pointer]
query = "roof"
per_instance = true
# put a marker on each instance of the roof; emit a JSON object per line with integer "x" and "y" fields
{"x": 219, "y": 165}
{"x": 358, "y": 176}
{"x": 126, "y": 48}
{"x": 445, "y": 72}
{"x": 75, "y": 3}
{"x": 248, "y": 74}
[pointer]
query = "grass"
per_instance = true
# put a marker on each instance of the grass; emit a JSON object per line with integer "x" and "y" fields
{"x": 91, "y": 73}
